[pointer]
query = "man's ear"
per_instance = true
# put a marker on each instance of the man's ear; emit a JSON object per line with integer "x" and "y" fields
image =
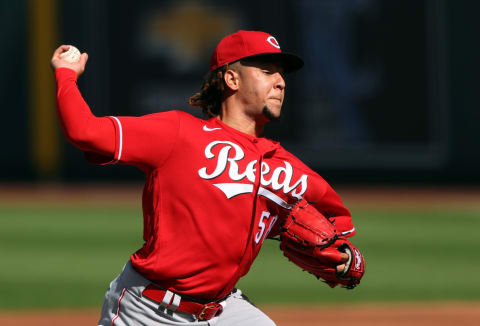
{"x": 231, "y": 79}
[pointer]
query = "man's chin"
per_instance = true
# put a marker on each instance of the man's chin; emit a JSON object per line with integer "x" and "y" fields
{"x": 271, "y": 115}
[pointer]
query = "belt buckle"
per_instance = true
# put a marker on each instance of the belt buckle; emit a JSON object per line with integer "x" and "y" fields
{"x": 211, "y": 305}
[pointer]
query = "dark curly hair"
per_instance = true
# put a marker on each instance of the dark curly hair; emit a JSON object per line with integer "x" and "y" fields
{"x": 209, "y": 99}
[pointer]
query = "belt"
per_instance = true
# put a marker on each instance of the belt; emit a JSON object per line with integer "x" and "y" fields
{"x": 174, "y": 302}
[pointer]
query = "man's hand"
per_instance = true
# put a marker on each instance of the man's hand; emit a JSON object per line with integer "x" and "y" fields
{"x": 344, "y": 259}
{"x": 58, "y": 62}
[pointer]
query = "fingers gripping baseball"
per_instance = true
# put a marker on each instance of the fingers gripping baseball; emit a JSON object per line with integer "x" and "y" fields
{"x": 66, "y": 56}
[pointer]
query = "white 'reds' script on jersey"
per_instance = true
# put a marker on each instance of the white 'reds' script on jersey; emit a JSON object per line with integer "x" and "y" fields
{"x": 230, "y": 153}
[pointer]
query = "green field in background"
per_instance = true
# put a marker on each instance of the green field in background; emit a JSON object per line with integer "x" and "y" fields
{"x": 65, "y": 256}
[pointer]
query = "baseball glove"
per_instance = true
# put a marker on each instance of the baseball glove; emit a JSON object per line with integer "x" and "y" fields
{"x": 310, "y": 241}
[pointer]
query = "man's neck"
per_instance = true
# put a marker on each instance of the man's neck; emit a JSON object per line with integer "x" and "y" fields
{"x": 242, "y": 123}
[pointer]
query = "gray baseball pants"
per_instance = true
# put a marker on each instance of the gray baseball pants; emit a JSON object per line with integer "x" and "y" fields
{"x": 125, "y": 306}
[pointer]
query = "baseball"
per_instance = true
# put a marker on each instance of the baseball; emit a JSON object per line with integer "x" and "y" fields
{"x": 71, "y": 55}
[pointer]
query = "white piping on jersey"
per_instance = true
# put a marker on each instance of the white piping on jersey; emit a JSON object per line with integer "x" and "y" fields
{"x": 121, "y": 139}
{"x": 349, "y": 231}
{"x": 277, "y": 200}
{"x": 205, "y": 128}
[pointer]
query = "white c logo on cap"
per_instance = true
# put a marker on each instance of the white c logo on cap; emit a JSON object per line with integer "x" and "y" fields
{"x": 273, "y": 42}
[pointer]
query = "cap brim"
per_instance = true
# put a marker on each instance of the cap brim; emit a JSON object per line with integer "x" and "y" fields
{"x": 289, "y": 61}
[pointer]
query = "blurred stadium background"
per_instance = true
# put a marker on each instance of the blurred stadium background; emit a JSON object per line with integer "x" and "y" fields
{"x": 387, "y": 94}
{"x": 386, "y": 102}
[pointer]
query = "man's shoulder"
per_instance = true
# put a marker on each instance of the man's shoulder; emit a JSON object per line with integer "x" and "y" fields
{"x": 189, "y": 118}
{"x": 175, "y": 115}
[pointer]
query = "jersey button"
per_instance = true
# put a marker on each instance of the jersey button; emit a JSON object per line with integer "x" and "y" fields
{"x": 255, "y": 141}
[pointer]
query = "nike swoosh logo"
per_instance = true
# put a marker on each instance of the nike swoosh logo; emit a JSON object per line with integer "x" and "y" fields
{"x": 210, "y": 129}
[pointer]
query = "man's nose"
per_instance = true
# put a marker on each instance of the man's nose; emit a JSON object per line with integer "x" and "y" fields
{"x": 280, "y": 82}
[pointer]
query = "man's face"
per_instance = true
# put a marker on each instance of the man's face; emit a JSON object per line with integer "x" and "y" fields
{"x": 262, "y": 89}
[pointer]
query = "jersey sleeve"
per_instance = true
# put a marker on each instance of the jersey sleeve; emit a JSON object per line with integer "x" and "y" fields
{"x": 322, "y": 196}
{"x": 144, "y": 141}
{"x": 328, "y": 202}
{"x": 80, "y": 126}
{"x": 331, "y": 206}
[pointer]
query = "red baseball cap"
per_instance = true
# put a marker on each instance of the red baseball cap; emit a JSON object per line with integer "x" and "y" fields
{"x": 248, "y": 44}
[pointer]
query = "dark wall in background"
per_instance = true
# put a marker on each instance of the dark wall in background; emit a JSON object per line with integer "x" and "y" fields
{"x": 14, "y": 130}
{"x": 464, "y": 104}
{"x": 388, "y": 92}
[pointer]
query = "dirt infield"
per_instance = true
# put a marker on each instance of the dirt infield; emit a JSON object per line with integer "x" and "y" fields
{"x": 465, "y": 314}
{"x": 379, "y": 315}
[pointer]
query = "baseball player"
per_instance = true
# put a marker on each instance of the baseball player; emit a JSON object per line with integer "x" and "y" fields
{"x": 214, "y": 190}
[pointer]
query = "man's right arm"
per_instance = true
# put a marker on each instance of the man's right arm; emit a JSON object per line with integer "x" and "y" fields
{"x": 80, "y": 126}
{"x": 144, "y": 141}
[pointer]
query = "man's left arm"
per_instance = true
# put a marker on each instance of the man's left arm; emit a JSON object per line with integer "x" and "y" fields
{"x": 332, "y": 207}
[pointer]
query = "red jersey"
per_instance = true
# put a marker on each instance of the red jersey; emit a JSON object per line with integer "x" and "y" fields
{"x": 212, "y": 193}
